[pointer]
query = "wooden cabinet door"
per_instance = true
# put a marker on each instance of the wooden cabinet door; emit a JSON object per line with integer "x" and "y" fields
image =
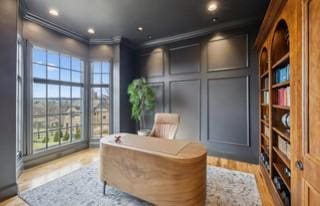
{"x": 311, "y": 131}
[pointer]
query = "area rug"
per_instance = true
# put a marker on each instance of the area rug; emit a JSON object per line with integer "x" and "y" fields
{"x": 83, "y": 188}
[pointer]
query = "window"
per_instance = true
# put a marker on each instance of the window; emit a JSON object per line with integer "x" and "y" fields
{"x": 100, "y": 98}
{"x": 19, "y": 101}
{"x": 57, "y": 100}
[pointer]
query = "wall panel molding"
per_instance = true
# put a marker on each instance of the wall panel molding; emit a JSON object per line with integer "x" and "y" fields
{"x": 211, "y": 124}
{"x": 187, "y": 57}
{"x": 222, "y": 51}
{"x": 158, "y": 88}
{"x": 153, "y": 63}
{"x": 187, "y": 126}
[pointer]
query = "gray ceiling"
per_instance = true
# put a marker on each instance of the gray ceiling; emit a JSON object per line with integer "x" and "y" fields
{"x": 160, "y": 18}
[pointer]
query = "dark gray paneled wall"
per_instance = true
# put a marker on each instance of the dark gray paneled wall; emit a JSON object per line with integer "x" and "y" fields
{"x": 211, "y": 82}
{"x": 8, "y": 44}
{"x": 124, "y": 71}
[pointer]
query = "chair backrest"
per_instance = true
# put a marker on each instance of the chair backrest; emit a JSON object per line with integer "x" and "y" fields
{"x": 165, "y": 125}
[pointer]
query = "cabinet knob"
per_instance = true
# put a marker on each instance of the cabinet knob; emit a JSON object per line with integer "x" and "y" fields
{"x": 299, "y": 165}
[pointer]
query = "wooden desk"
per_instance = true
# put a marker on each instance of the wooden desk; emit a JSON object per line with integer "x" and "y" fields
{"x": 160, "y": 171}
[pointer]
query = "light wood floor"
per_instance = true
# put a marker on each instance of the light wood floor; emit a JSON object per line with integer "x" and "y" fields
{"x": 44, "y": 173}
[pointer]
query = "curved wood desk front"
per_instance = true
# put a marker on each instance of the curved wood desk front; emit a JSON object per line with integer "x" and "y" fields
{"x": 160, "y": 171}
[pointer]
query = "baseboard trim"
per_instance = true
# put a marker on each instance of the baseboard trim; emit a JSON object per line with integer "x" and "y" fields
{"x": 8, "y": 191}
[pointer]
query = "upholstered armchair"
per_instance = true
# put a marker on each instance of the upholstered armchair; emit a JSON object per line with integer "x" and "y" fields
{"x": 165, "y": 125}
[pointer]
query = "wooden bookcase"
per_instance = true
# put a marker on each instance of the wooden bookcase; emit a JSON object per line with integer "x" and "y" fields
{"x": 289, "y": 34}
{"x": 274, "y": 113}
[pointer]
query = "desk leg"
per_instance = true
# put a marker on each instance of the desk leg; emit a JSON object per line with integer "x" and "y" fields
{"x": 104, "y": 187}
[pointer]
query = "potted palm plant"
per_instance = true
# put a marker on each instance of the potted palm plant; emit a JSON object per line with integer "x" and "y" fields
{"x": 142, "y": 99}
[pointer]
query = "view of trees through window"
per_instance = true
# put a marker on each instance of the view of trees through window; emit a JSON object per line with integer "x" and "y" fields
{"x": 57, "y": 103}
{"x": 100, "y": 80}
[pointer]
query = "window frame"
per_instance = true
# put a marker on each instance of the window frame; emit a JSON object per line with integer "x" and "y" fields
{"x": 30, "y": 80}
{"x": 20, "y": 99}
{"x": 101, "y": 86}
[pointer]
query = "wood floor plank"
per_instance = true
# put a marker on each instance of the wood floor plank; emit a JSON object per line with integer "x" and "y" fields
{"x": 44, "y": 173}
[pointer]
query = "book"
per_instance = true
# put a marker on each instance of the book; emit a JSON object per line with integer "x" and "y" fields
{"x": 282, "y": 74}
{"x": 283, "y": 96}
{"x": 266, "y": 97}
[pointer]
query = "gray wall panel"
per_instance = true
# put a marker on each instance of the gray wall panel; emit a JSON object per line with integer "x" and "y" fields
{"x": 185, "y": 59}
{"x": 152, "y": 63}
{"x": 185, "y": 100}
{"x": 8, "y": 45}
{"x": 228, "y": 115}
{"x": 228, "y": 53}
{"x": 158, "y": 89}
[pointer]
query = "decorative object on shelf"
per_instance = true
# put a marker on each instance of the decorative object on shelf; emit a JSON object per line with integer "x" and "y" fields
{"x": 285, "y": 196}
{"x": 265, "y": 160}
{"x": 142, "y": 99}
{"x": 285, "y": 119}
{"x": 265, "y": 117}
{"x": 287, "y": 171}
{"x": 278, "y": 183}
{"x": 117, "y": 139}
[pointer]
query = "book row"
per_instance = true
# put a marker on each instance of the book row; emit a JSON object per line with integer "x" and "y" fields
{"x": 282, "y": 74}
{"x": 283, "y": 96}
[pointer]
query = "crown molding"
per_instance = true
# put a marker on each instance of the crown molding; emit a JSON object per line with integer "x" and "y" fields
{"x": 272, "y": 13}
{"x": 200, "y": 32}
{"x": 74, "y": 35}
{"x": 55, "y": 27}
{"x": 100, "y": 41}
{"x": 119, "y": 39}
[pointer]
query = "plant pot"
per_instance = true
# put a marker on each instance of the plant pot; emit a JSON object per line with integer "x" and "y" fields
{"x": 143, "y": 132}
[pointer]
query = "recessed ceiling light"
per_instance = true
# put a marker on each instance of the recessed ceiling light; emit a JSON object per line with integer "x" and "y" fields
{"x": 214, "y": 19}
{"x": 53, "y": 12}
{"x": 140, "y": 28}
{"x": 91, "y": 31}
{"x": 212, "y": 6}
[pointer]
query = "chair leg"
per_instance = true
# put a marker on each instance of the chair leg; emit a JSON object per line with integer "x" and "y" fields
{"x": 104, "y": 187}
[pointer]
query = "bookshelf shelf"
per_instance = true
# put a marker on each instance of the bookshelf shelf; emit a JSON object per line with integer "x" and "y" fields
{"x": 265, "y": 105}
{"x": 265, "y": 89}
{"x": 283, "y": 134}
{"x": 281, "y": 107}
{"x": 265, "y": 137}
{"x": 265, "y": 169}
{"x": 265, "y": 149}
{"x": 265, "y": 74}
{"x": 265, "y": 122}
{"x": 282, "y": 156}
{"x": 282, "y": 84}
{"x": 281, "y": 61}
